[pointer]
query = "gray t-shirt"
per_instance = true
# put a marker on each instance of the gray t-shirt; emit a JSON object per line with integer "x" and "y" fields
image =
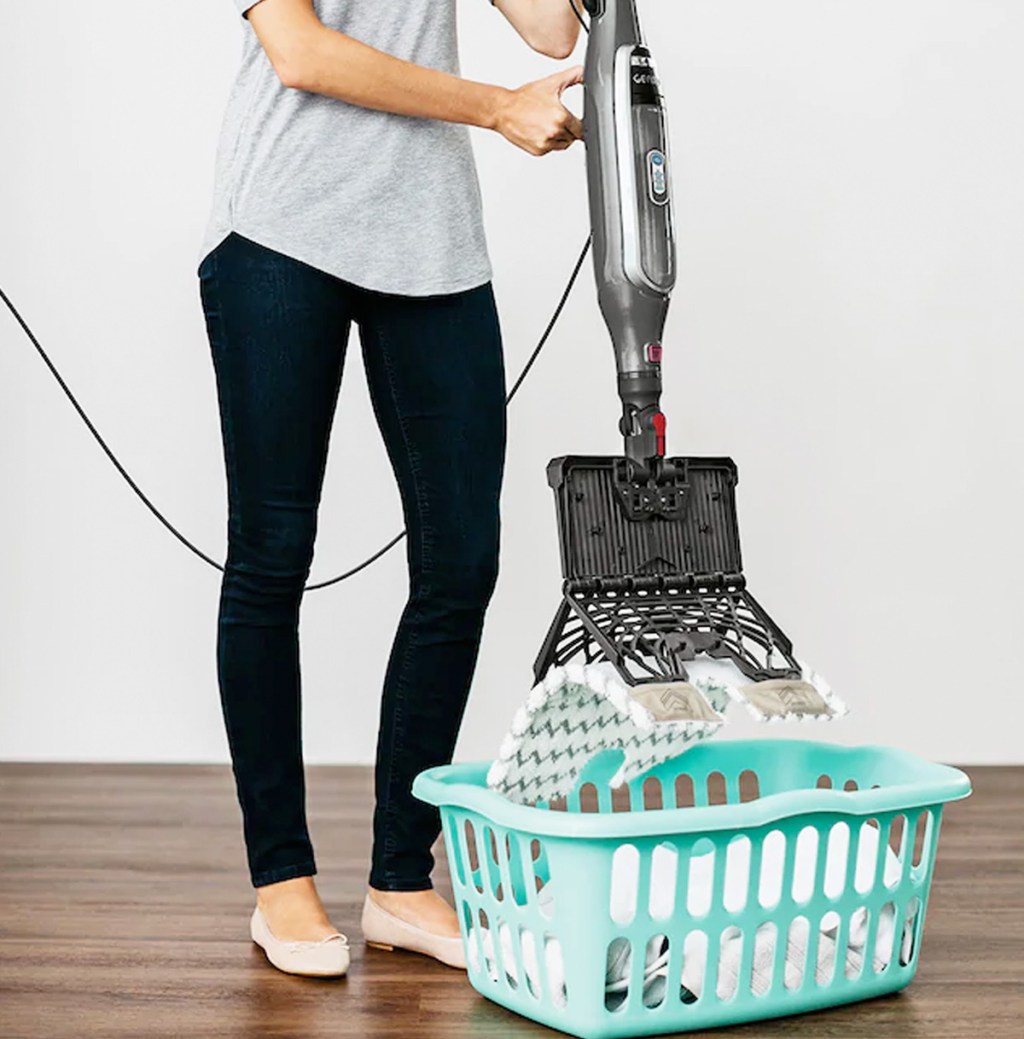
{"x": 389, "y": 202}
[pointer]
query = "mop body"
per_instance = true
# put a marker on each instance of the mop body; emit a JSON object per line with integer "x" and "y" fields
{"x": 657, "y": 630}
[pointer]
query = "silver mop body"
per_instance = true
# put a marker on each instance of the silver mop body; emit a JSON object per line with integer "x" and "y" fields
{"x": 657, "y": 630}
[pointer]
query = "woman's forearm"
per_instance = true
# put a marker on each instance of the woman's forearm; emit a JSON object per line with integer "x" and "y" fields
{"x": 309, "y": 56}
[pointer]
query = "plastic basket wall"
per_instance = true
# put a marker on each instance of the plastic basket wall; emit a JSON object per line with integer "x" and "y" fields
{"x": 746, "y": 874}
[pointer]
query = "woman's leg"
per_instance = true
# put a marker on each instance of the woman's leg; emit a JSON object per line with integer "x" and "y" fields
{"x": 278, "y": 331}
{"x": 437, "y": 382}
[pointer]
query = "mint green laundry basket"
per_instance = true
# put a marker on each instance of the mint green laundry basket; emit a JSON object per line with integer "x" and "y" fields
{"x": 734, "y": 873}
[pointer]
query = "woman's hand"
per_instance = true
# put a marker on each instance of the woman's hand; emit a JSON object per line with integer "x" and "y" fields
{"x": 534, "y": 118}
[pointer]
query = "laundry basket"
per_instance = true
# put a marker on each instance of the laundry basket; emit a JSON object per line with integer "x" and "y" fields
{"x": 743, "y": 879}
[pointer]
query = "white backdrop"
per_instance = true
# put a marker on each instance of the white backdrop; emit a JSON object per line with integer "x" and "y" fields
{"x": 847, "y": 325}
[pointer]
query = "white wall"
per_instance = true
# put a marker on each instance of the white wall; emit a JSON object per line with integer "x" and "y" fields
{"x": 847, "y": 325}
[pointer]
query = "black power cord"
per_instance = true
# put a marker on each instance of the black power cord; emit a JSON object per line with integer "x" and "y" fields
{"x": 156, "y": 512}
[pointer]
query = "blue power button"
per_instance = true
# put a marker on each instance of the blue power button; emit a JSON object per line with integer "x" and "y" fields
{"x": 657, "y": 176}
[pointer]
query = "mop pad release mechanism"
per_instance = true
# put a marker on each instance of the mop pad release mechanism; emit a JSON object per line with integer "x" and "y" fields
{"x": 652, "y": 572}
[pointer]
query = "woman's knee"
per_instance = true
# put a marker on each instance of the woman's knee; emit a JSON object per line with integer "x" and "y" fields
{"x": 274, "y": 557}
{"x": 462, "y": 581}
{"x": 480, "y": 577}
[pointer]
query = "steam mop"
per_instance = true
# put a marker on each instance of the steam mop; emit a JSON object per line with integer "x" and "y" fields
{"x": 657, "y": 631}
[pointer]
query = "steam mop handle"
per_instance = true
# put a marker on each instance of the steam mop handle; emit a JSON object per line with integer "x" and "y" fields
{"x": 627, "y": 178}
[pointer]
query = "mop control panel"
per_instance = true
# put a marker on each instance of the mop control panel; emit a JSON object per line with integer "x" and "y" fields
{"x": 648, "y": 251}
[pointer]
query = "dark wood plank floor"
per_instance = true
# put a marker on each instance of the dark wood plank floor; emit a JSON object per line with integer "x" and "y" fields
{"x": 124, "y": 908}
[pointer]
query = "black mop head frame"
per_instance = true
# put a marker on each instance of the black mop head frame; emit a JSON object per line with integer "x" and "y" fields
{"x": 653, "y": 574}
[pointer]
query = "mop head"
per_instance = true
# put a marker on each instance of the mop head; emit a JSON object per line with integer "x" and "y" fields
{"x": 582, "y": 709}
{"x": 579, "y": 710}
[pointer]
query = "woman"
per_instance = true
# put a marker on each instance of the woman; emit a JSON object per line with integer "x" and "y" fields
{"x": 346, "y": 192}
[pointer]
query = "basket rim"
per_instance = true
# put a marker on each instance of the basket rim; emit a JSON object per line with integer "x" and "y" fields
{"x": 464, "y": 786}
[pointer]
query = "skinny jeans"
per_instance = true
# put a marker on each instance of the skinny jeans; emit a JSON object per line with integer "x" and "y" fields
{"x": 278, "y": 331}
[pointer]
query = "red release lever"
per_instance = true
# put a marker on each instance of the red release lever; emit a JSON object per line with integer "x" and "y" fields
{"x": 658, "y": 421}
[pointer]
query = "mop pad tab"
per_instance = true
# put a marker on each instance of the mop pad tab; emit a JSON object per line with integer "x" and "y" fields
{"x": 674, "y": 701}
{"x": 782, "y": 697}
{"x": 807, "y": 698}
{"x": 580, "y": 710}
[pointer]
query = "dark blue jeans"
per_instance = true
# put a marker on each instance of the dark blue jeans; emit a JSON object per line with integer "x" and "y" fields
{"x": 278, "y": 330}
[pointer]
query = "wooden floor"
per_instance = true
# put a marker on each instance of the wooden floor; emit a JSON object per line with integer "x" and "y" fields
{"x": 124, "y": 908}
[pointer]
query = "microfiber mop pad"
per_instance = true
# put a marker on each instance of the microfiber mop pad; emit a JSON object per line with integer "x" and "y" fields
{"x": 581, "y": 709}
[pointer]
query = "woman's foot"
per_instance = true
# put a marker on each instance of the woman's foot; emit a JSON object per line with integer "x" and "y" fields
{"x": 420, "y": 921}
{"x": 327, "y": 958}
{"x": 426, "y": 909}
{"x": 293, "y": 911}
{"x": 291, "y": 926}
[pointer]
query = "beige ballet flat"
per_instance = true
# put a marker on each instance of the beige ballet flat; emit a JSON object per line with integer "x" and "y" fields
{"x": 327, "y": 958}
{"x": 384, "y": 930}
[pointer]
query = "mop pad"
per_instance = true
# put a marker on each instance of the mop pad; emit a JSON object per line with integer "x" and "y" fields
{"x": 582, "y": 709}
{"x": 698, "y": 890}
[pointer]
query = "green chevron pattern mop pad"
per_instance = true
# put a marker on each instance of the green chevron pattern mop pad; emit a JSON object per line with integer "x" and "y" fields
{"x": 580, "y": 710}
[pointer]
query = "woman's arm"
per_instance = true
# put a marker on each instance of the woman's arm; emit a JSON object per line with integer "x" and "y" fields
{"x": 308, "y": 56}
{"x": 548, "y": 26}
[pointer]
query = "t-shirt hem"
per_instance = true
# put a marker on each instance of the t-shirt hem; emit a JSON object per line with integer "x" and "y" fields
{"x": 481, "y": 276}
